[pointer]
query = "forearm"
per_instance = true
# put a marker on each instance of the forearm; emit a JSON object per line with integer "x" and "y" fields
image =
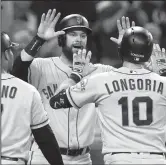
{"x": 60, "y": 100}
{"x": 66, "y": 84}
{"x": 20, "y": 68}
{"x": 48, "y": 145}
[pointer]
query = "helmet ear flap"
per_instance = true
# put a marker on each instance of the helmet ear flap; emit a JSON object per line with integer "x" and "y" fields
{"x": 62, "y": 40}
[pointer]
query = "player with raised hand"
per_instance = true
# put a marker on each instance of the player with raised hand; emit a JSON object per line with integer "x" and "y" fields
{"x": 46, "y": 31}
{"x": 157, "y": 60}
{"x": 131, "y": 102}
{"x": 122, "y": 25}
{"x": 22, "y": 114}
{"x": 74, "y": 136}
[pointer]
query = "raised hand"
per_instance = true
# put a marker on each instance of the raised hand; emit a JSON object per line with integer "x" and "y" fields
{"x": 81, "y": 63}
{"x": 121, "y": 28}
{"x": 47, "y": 25}
{"x": 158, "y": 59}
{"x": 157, "y": 62}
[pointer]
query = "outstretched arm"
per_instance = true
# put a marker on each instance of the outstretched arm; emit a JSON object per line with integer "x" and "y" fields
{"x": 81, "y": 68}
{"x": 84, "y": 92}
{"x": 45, "y": 33}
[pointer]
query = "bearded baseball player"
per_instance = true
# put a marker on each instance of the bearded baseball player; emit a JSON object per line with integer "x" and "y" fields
{"x": 131, "y": 102}
{"x": 74, "y": 135}
{"x": 22, "y": 114}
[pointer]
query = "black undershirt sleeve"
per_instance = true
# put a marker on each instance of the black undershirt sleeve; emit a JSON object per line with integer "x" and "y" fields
{"x": 20, "y": 68}
{"x": 48, "y": 144}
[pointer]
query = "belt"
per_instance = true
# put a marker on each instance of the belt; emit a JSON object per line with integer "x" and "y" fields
{"x": 74, "y": 152}
{"x": 152, "y": 153}
{"x": 13, "y": 159}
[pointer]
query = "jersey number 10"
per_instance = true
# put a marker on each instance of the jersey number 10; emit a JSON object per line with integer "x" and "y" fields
{"x": 135, "y": 108}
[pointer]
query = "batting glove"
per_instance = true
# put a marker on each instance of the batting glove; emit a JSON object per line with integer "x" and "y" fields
{"x": 157, "y": 61}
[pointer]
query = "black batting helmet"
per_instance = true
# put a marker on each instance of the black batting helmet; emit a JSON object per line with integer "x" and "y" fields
{"x": 73, "y": 21}
{"x": 6, "y": 42}
{"x": 136, "y": 45}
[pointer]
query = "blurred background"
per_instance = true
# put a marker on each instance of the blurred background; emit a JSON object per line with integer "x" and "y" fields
{"x": 20, "y": 19}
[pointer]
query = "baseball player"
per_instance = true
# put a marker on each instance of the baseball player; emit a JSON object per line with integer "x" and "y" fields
{"x": 73, "y": 134}
{"x": 22, "y": 114}
{"x": 131, "y": 102}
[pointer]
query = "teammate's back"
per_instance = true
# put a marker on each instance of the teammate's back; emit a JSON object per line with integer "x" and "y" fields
{"x": 131, "y": 102}
{"x": 20, "y": 106}
{"x": 22, "y": 115}
{"x": 133, "y": 110}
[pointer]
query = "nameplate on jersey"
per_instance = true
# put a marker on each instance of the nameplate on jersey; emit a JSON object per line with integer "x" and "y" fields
{"x": 135, "y": 84}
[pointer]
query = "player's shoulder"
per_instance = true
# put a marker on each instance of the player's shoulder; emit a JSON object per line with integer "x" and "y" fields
{"x": 24, "y": 86}
{"x": 46, "y": 60}
{"x": 100, "y": 76}
{"x": 103, "y": 68}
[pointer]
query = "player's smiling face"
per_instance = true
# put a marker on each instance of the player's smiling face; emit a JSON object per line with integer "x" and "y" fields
{"x": 75, "y": 40}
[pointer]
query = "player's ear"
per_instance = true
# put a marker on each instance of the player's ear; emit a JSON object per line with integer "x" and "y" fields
{"x": 6, "y": 55}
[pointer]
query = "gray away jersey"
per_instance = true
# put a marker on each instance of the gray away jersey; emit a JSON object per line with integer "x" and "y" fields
{"x": 132, "y": 108}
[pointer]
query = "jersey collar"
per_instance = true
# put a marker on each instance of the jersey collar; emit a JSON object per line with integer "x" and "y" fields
{"x": 133, "y": 71}
{"x": 61, "y": 65}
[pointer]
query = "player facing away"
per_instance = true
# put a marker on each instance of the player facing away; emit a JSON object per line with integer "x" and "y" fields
{"x": 131, "y": 102}
{"x": 22, "y": 114}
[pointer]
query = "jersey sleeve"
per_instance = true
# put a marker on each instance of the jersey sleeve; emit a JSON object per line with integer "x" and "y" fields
{"x": 35, "y": 72}
{"x": 39, "y": 116}
{"x": 82, "y": 93}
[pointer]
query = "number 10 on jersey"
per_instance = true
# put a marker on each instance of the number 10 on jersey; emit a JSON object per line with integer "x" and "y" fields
{"x": 136, "y": 110}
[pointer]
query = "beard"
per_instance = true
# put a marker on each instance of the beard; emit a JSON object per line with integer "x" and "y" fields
{"x": 69, "y": 51}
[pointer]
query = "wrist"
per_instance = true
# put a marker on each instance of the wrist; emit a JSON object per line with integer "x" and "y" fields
{"x": 75, "y": 77}
{"x": 40, "y": 36}
{"x": 33, "y": 47}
